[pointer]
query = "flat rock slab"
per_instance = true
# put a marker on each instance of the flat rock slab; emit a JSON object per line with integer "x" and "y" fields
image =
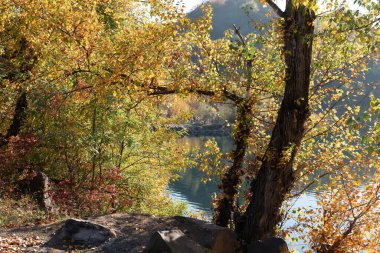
{"x": 80, "y": 234}
{"x": 173, "y": 241}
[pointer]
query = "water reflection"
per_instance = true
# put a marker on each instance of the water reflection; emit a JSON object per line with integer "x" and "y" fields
{"x": 198, "y": 195}
{"x": 189, "y": 187}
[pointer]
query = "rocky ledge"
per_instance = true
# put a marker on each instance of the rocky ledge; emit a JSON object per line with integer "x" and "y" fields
{"x": 118, "y": 233}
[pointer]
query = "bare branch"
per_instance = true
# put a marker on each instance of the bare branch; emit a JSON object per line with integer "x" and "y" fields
{"x": 276, "y": 9}
{"x": 237, "y": 32}
{"x": 248, "y": 62}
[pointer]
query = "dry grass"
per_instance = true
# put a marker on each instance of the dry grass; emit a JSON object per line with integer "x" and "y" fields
{"x": 17, "y": 212}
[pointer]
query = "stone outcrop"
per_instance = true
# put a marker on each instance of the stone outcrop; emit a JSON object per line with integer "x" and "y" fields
{"x": 39, "y": 186}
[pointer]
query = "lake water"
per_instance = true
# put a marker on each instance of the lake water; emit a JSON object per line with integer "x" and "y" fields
{"x": 198, "y": 195}
{"x": 189, "y": 187}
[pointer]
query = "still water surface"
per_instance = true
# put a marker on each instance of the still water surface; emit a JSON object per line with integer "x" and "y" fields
{"x": 198, "y": 195}
{"x": 189, "y": 187}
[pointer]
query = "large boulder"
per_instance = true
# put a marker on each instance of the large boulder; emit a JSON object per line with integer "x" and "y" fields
{"x": 173, "y": 241}
{"x": 217, "y": 239}
{"x": 80, "y": 234}
{"x": 271, "y": 245}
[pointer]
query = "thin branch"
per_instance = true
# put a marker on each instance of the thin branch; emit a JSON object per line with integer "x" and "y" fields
{"x": 311, "y": 183}
{"x": 276, "y": 9}
{"x": 238, "y": 33}
{"x": 249, "y": 62}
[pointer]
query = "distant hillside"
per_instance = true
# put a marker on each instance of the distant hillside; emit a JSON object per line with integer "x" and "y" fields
{"x": 230, "y": 12}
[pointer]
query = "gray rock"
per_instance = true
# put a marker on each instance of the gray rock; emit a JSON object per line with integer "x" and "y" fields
{"x": 218, "y": 239}
{"x": 39, "y": 187}
{"x": 80, "y": 234}
{"x": 271, "y": 245}
{"x": 173, "y": 241}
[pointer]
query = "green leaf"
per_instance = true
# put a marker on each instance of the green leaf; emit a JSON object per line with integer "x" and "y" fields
{"x": 350, "y": 122}
{"x": 366, "y": 117}
{"x": 370, "y": 150}
{"x": 365, "y": 139}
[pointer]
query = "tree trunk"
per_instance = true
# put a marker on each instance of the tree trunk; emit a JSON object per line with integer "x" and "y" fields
{"x": 232, "y": 178}
{"x": 28, "y": 59}
{"x": 18, "y": 119}
{"x": 275, "y": 177}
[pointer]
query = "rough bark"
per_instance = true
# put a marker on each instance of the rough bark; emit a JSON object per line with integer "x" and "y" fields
{"x": 18, "y": 117}
{"x": 232, "y": 178}
{"x": 275, "y": 176}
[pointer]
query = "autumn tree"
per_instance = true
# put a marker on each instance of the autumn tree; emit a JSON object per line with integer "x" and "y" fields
{"x": 308, "y": 62}
{"x": 83, "y": 81}
{"x": 81, "y": 67}
{"x": 276, "y": 175}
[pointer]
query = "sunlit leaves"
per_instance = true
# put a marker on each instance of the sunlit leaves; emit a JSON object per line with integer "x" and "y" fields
{"x": 87, "y": 93}
{"x": 210, "y": 161}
